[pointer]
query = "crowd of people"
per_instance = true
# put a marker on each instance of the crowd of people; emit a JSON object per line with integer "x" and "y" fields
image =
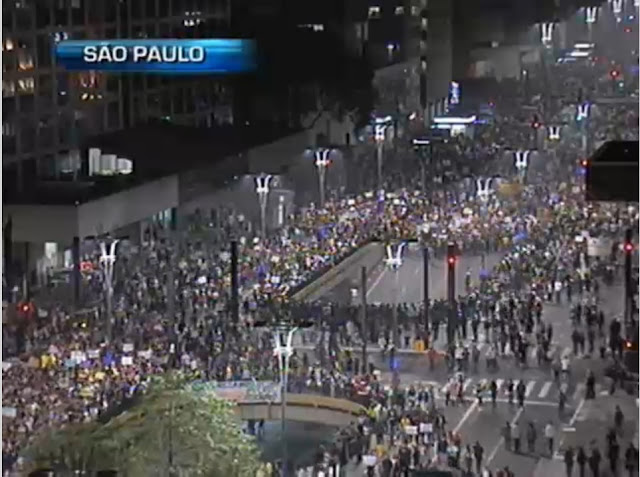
{"x": 173, "y": 303}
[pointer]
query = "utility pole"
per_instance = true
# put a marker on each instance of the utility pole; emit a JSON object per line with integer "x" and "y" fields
{"x": 425, "y": 285}
{"x": 628, "y": 288}
{"x": 235, "y": 302}
{"x": 451, "y": 292}
{"x": 365, "y": 331}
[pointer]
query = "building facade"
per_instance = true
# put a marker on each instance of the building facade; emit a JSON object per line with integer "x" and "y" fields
{"x": 48, "y": 111}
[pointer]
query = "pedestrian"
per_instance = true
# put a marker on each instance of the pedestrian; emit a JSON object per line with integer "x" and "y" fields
{"x": 581, "y": 460}
{"x": 515, "y": 438}
{"x": 594, "y": 462}
{"x": 550, "y": 434}
{"x": 631, "y": 459}
{"x": 568, "y": 461}
{"x": 478, "y": 453}
{"x": 531, "y": 437}
{"x": 614, "y": 455}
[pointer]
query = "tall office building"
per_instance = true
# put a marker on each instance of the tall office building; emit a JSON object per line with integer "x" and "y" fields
{"x": 48, "y": 111}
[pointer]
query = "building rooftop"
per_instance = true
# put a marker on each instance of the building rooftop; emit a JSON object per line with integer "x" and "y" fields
{"x": 157, "y": 150}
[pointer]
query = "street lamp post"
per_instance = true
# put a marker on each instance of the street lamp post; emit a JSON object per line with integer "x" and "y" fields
{"x": 582, "y": 116}
{"x": 262, "y": 189}
{"x": 322, "y": 162}
{"x": 483, "y": 189}
{"x": 380, "y": 136}
{"x": 394, "y": 262}
{"x": 283, "y": 349}
{"x": 107, "y": 262}
{"x": 522, "y": 163}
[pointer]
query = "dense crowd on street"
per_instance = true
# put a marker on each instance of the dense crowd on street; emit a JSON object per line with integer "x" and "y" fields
{"x": 63, "y": 370}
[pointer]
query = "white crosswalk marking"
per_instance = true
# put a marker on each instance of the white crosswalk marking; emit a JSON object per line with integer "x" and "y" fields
{"x": 466, "y": 384}
{"x": 545, "y": 389}
{"x": 499, "y": 384}
{"x": 579, "y": 392}
{"x": 530, "y": 386}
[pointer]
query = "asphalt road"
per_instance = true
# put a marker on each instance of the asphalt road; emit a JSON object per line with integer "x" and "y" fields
{"x": 407, "y": 286}
{"x": 582, "y": 422}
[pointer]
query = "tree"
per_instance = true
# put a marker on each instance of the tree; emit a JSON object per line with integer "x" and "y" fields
{"x": 171, "y": 432}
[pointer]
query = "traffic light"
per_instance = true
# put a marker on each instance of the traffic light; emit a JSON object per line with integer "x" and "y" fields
{"x": 627, "y": 29}
{"x": 535, "y": 123}
{"x": 614, "y": 74}
{"x": 584, "y": 163}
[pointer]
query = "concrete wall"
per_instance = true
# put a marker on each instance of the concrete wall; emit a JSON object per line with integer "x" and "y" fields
{"x": 303, "y": 408}
{"x": 369, "y": 256}
{"x": 276, "y": 157}
{"x": 127, "y": 207}
{"x": 42, "y": 223}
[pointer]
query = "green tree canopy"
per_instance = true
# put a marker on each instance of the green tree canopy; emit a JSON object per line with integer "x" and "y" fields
{"x": 171, "y": 432}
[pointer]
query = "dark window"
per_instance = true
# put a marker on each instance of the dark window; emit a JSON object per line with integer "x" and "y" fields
{"x": 110, "y": 10}
{"x": 150, "y": 9}
{"x": 43, "y": 51}
{"x": 113, "y": 116}
{"x": 27, "y": 135}
{"x": 43, "y": 15}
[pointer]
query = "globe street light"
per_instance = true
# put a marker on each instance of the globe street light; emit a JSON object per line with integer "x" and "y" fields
{"x": 262, "y": 189}
{"x": 107, "y": 262}
{"x": 522, "y": 163}
{"x": 582, "y": 116}
{"x": 322, "y": 161}
{"x": 393, "y": 261}
{"x": 283, "y": 350}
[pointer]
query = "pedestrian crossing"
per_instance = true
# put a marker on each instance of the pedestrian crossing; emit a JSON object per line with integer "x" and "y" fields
{"x": 541, "y": 390}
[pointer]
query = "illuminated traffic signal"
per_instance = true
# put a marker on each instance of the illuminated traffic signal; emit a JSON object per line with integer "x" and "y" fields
{"x": 535, "y": 123}
{"x": 584, "y": 163}
{"x": 451, "y": 261}
{"x": 628, "y": 247}
{"x": 614, "y": 74}
{"x": 627, "y": 29}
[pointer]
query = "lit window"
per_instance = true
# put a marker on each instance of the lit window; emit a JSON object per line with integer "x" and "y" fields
{"x": 25, "y": 61}
{"x": 60, "y": 36}
{"x": 374, "y": 12}
{"x": 8, "y": 89}
{"x": 424, "y": 23}
{"x": 26, "y": 85}
{"x": 7, "y": 45}
{"x": 399, "y": 10}
{"x": 8, "y": 129}
{"x": 415, "y": 11}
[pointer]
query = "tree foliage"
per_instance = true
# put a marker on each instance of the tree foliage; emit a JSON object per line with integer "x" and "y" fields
{"x": 170, "y": 432}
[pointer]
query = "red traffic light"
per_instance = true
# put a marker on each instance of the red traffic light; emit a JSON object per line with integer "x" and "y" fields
{"x": 451, "y": 260}
{"x": 628, "y": 247}
{"x": 627, "y": 29}
{"x": 535, "y": 125}
{"x": 584, "y": 163}
{"x": 614, "y": 73}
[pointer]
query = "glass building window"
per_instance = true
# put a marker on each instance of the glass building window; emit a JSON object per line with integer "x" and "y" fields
{"x": 399, "y": 10}
{"x": 8, "y": 88}
{"x": 26, "y": 85}
{"x": 25, "y": 60}
{"x": 374, "y": 12}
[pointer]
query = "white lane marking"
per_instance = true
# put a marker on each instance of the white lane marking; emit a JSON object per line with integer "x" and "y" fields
{"x": 465, "y": 417}
{"x": 573, "y": 419}
{"x": 545, "y": 389}
{"x": 580, "y": 387}
{"x": 501, "y": 440}
{"x": 376, "y": 282}
{"x": 530, "y": 386}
